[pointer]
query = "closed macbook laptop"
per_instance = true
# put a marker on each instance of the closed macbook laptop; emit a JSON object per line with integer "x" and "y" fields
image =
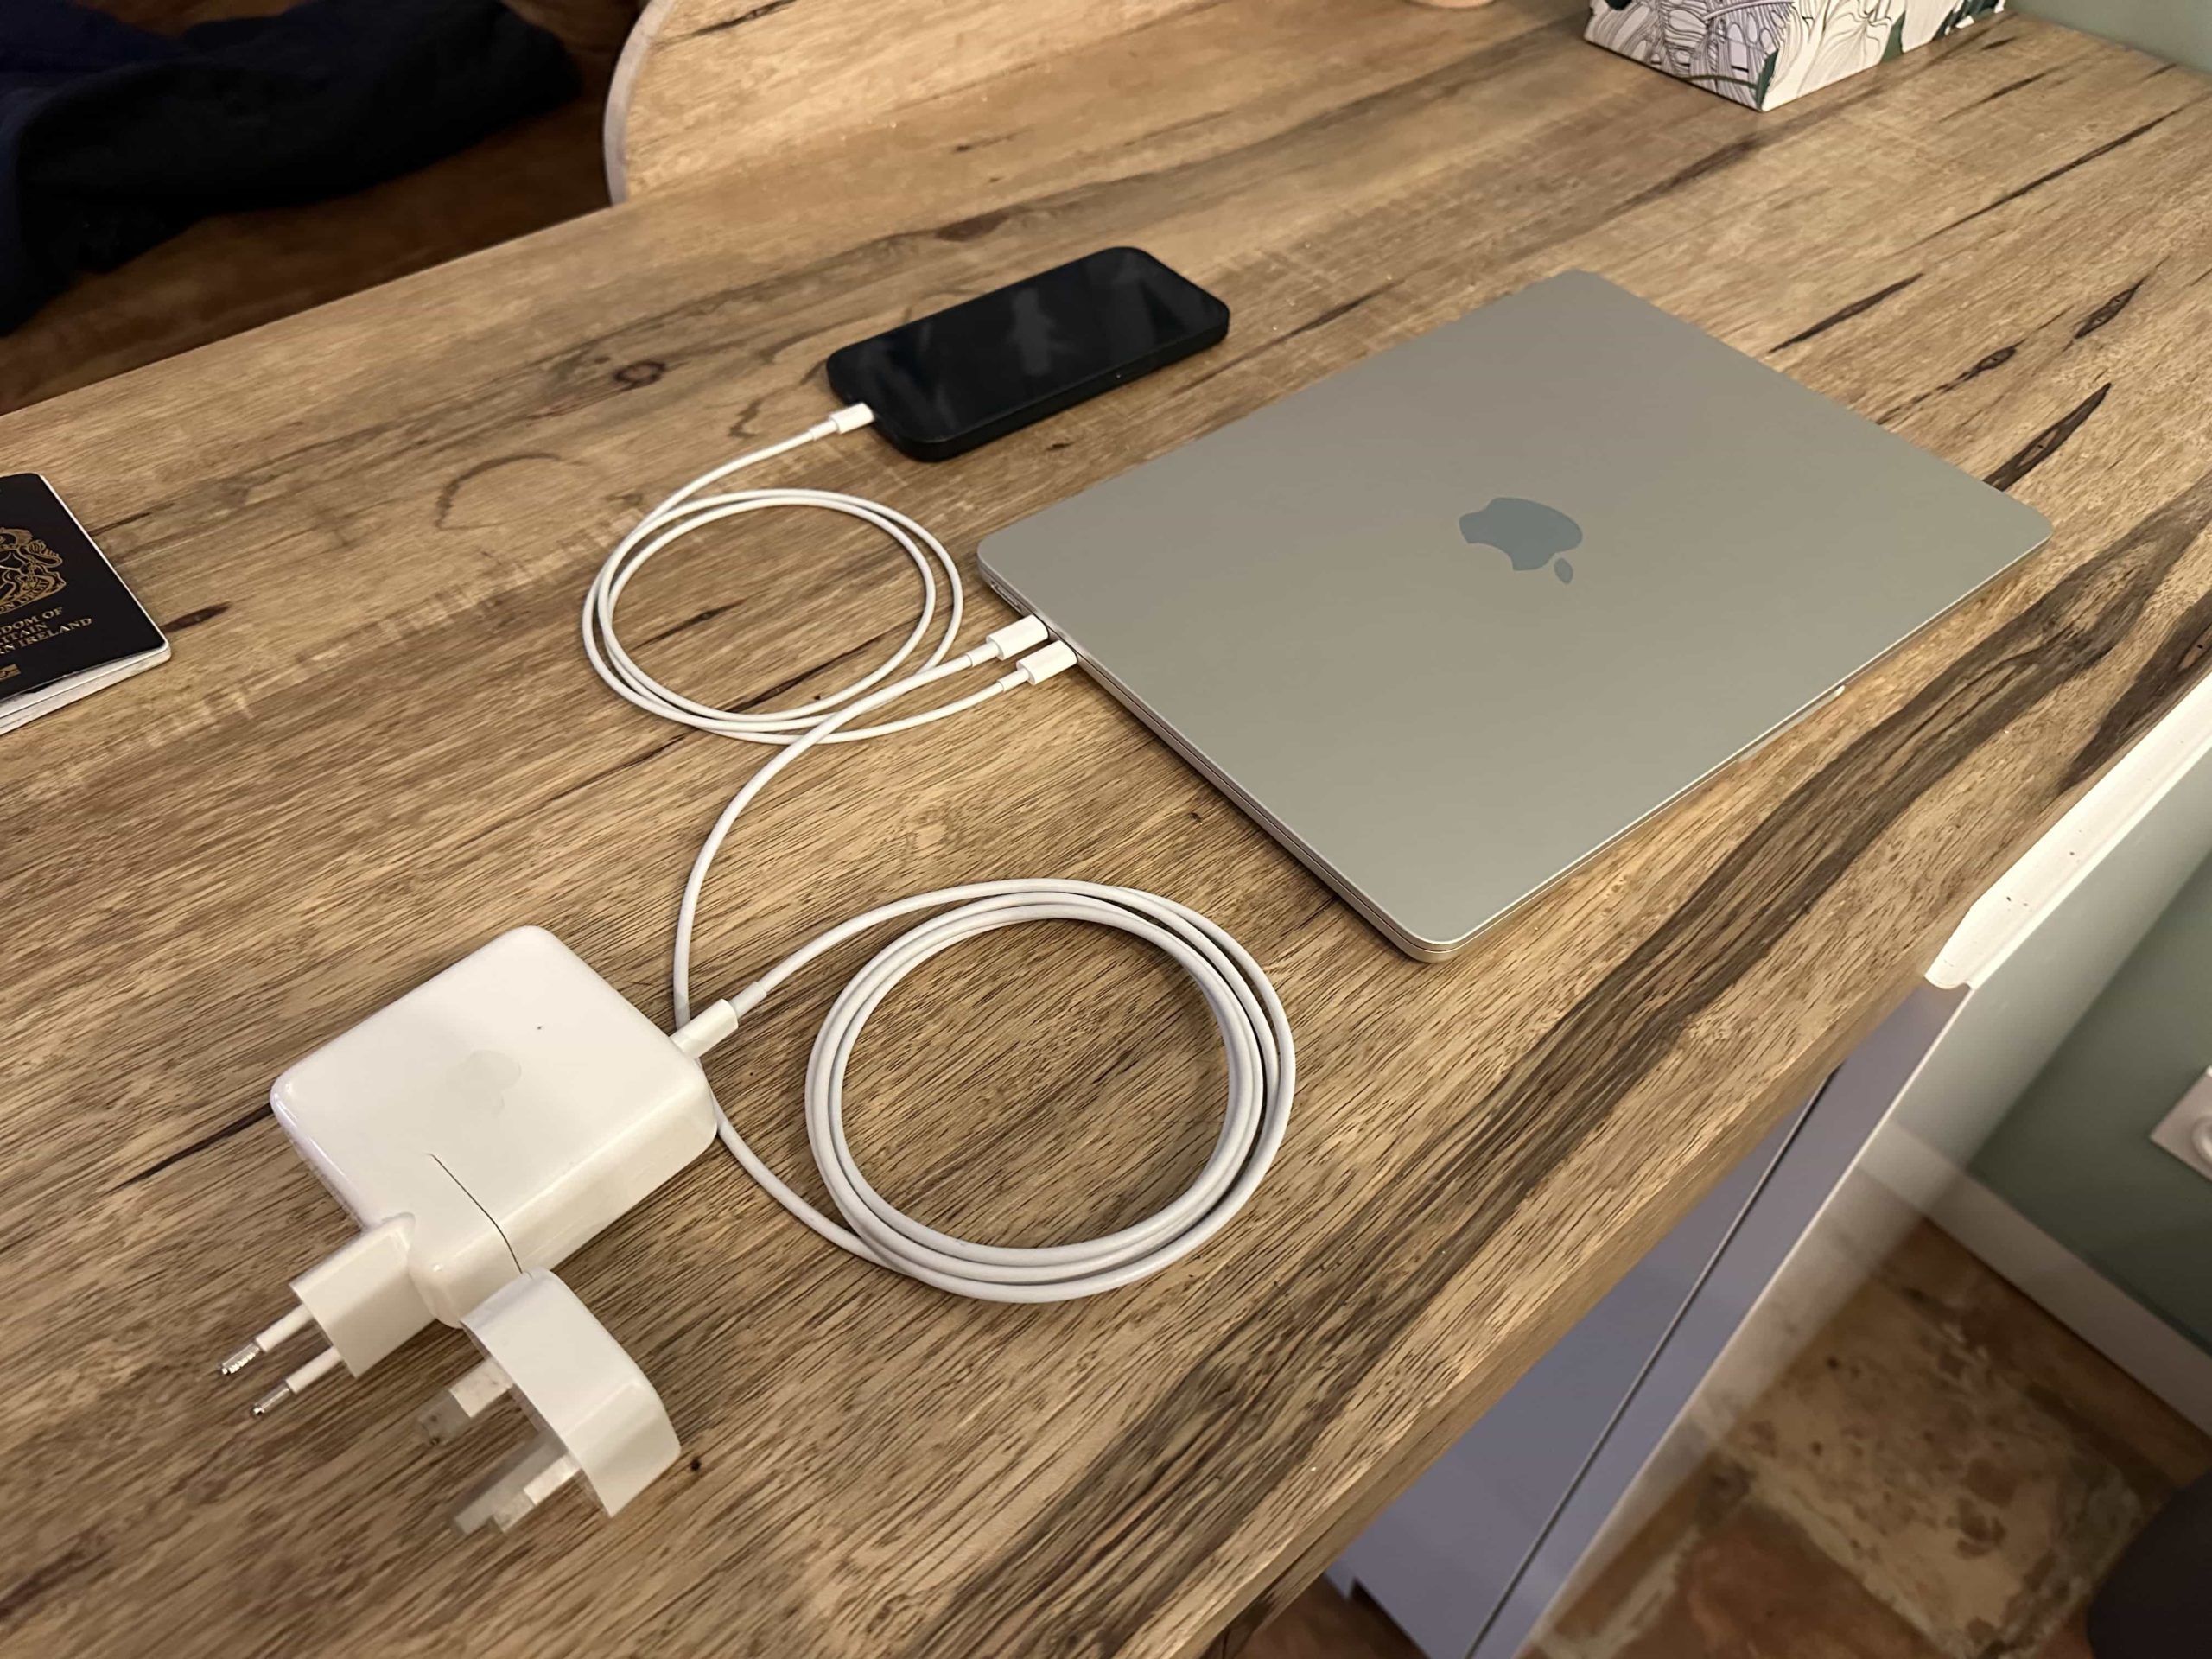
{"x": 1451, "y": 620}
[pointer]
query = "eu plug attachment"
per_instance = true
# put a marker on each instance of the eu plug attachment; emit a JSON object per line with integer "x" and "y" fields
{"x": 361, "y": 1298}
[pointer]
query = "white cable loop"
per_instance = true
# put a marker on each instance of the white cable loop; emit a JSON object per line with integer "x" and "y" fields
{"x": 824, "y": 730}
{"x": 1254, "y": 1031}
{"x": 1255, "y": 1037}
{"x": 687, "y": 511}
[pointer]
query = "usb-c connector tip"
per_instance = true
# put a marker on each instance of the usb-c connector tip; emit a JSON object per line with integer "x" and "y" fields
{"x": 1040, "y": 665}
{"x": 1024, "y": 633}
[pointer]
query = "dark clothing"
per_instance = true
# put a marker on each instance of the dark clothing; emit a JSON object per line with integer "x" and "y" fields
{"x": 113, "y": 139}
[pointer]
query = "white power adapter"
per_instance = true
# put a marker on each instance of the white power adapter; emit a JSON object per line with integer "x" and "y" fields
{"x": 488, "y": 1122}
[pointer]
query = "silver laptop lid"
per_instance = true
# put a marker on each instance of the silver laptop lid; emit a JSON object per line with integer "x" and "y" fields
{"x": 1451, "y": 620}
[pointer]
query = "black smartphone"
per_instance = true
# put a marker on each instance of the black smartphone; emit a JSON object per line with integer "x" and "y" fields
{"x": 953, "y": 381}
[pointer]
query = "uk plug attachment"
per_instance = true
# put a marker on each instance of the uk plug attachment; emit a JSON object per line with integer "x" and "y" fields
{"x": 596, "y": 1417}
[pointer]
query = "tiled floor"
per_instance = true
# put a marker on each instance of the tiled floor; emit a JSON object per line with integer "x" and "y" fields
{"x": 1945, "y": 1472}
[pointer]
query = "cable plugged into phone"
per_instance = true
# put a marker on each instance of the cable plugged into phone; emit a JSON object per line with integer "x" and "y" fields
{"x": 955, "y": 380}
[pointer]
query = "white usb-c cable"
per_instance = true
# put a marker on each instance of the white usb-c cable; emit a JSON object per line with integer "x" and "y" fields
{"x": 1255, "y": 1031}
{"x": 1039, "y": 666}
{"x": 687, "y": 511}
{"x": 1255, "y": 1034}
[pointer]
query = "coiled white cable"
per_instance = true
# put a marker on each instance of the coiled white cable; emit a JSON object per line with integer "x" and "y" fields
{"x": 687, "y": 511}
{"x": 1254, "y": 1031}
{"x": 1255, "y": 1034}
{"x": 1039, "y": 666}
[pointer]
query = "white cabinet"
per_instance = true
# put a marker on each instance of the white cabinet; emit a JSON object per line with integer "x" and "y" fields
{"x": 1561, "y": 1472}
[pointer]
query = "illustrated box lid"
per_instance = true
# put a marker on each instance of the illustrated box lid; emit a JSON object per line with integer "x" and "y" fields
{"x": 1764, "y": 53}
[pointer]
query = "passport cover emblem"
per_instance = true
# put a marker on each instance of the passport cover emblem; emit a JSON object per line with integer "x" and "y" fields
{"x": 30, "y": 570}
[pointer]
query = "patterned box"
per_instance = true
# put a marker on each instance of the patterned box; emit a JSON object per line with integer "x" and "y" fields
{"x": 1764, "y": 53}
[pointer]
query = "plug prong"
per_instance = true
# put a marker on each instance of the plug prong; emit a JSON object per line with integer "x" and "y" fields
{"x": 283, "y": 1331}
{"x": 518, "y": 1486}
{"x": 321, "y": 1366}
{"x": 455, "y": 1407}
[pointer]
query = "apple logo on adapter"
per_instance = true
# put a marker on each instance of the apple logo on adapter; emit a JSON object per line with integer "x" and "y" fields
{"x": 1528, "y": 533}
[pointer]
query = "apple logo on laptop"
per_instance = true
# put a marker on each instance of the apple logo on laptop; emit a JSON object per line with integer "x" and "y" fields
{"x": 1529, "y": 533}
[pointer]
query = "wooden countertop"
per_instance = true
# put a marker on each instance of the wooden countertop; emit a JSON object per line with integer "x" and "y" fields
{"x": 369, "y": 529}
{"x": 706, "y": 86}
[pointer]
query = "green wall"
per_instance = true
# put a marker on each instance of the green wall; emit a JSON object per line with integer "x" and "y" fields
{"x": 2181, "y": 29}
{"x": 2073, "y": 1155}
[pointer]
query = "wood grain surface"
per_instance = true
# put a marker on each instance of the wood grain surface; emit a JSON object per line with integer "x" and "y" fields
{"x": 369, "y": 529}
{"x": 710, "y": 86}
